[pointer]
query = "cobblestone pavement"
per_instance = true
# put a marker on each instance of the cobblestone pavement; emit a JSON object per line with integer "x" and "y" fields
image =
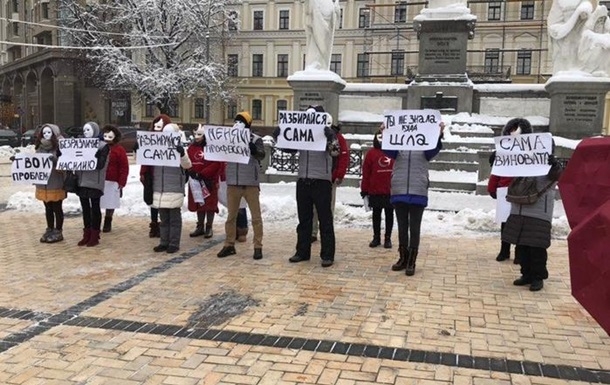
{"x": 122, "y": 314}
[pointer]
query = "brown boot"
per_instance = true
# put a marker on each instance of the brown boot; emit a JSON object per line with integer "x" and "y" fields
{"x": 154, "y": 230}
{"x": 86, "y": 236}
{"x": 242, "y": 234}
{"x": 402, "y": 259}
{"x": 94, "y": 238}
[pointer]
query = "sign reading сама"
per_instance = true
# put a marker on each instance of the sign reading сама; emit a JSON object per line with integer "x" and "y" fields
{"x": 412, "y": 130}
{"x": 523, "y": 155}
{"x": 31, "y": 168}
{"x": 158, "y": 148}
{"x": 301, "y": 130}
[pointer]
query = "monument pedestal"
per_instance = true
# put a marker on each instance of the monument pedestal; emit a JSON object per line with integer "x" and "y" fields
{"x": 313, "y": 88}
{"x": 441, "y": 82}
{"x": 577, "y": 106}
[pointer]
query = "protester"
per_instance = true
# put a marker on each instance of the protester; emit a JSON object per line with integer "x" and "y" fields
{"x": 146, "y": 177}
{"x": 242, "y": 214}
{"x": 409, "y": 195}
{"x": 529, "y": 225}
{"x": 314, "y": 189}
{"x": 340, "y": 164}
{"x": 52, "y": 194}
{"x": 168, "y": 197}
{"x": 375, "y": 186}
{"x": 208, "y": 173}
{"x": 91, "y": 188}
{"x": 243, "y": 181}
{"x": 116, "y": 175}
{"x": 500, "y": 184}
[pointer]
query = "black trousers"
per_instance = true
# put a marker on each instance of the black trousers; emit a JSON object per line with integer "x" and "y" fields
{"x": 54, "y": 214}
{"x": 409, "y": 224}
{"x": 389, "y": 221}
{"x": 533, "y": 261}
{"x": 92, "y": 214}
{"x": 318, "y": 193}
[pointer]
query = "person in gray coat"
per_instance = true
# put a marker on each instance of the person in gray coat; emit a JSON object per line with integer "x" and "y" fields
{"x": 91, "y": 188}
{"x": 314, "y": 189}
{"x": 529, "y": 228}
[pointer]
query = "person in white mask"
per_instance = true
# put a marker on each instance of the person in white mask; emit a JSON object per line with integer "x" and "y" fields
{"x": 116, "y": 175}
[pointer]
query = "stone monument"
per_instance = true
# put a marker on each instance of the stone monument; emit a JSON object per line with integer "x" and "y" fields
{"x": 443, "y": 30}
{"x": 579, "y": 35}
{"x": 317, "y": 85}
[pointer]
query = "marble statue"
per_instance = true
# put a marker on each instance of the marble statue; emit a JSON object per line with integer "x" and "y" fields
{"x": 321, "y": 17}
{"x": 579, "y": 34}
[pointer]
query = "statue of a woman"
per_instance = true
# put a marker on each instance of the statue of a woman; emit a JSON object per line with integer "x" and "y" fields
{"x": 321, "y": 18}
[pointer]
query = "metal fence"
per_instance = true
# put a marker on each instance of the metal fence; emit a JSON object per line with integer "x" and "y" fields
{"x": 287, "y": 162}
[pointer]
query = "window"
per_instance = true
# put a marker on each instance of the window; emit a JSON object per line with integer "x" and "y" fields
{"x": 257, "y": 109}
{"x": 284, "y": 19}
{"x": 257, "y": 65}
{"x": 231, "y": 110}
{"x": 341, "y": 19}
{"x": 15, "y": 6}
{"x": 335, "y": 63}
{"x": 282, "y": 65}
{"x": 492, "y": 61}
{"x": 282, "y": 105}
{"x": 150, "y": 109}
{"x": 494, "y": 11}
{"x": 400, "y": 13}
{"x": 527, "y": 10}
{"x": 398, "y": 63}
{"x": 524, "y": 62}
{"x": 258, "y": 20}
{"x": 15, "y": 29}
{"x": 44, "y": 10}
{"x": 364, "y": 16}
{"x": 232, "y": 65}
{"x": 362, "y": 69}
{"x": 199, "y": 108}
{"x": 174, "y": 108}
{"x": 233, "y": 19}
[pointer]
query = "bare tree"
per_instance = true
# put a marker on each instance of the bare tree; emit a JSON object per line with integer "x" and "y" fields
{"x": 161, "y": 49}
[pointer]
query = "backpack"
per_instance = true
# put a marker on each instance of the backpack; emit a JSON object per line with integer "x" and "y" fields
{"x": 522, "y": 190}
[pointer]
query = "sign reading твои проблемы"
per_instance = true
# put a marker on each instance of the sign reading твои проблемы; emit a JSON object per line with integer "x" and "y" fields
{"x": 31, "y": 168}
{"x": 522, "y": 155}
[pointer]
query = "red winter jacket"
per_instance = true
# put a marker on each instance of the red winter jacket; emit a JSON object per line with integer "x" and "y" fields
{"x": 376, "y": 173}
{"x": 208, "y": 170}
{"x": 342, "y": 160}
{"x": 495, "y": 182}
{"x": 118, "y": 165}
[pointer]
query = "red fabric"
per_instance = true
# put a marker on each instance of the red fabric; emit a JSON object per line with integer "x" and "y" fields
{"x": 497, "y": 181}
{"x": 118, "y": 165}
{"x": 342, "y": 159}
{"x": 208, "y": 170}
{"x": 376, "y": 173}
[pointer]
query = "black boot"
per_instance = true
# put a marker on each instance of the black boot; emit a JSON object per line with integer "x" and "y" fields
{"x": 154, "y": 230}
{"x": 387, "y": 242}
{"x": 107, "y": 225}
{"x": 209, "y": 233}
{"x": 402, "y": 259}
{"x": 504, "y": 252}
{"x": 376, "y": 241}
{"x": 411, "y": 258}
{"x": 198, "y": 230}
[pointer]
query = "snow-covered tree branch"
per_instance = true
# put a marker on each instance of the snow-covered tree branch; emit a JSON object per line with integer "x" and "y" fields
{"x": 184, "y": 40}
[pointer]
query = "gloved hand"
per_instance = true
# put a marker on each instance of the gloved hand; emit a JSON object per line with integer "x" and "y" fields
{"x": 136, "y": 146}
{"x": 363, "y": 194}
{"x": 253, "y": 149}
{"x": 180, "y": 150}
{"x": 194, "y": 175}
{"x": 329, "y": 133}
{"x": 58, "y": 152}
{"x": 12, "y": 158}
{"x": 492, "y": 158}
{"x": 552, "y": 160}
{"x": 276, "y": 133}
{"x": 493, "y": 195}
{"x": 97, "y": 154}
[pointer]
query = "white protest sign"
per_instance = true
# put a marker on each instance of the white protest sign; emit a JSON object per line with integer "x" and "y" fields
{"x": 413, "y": 130}
{"x": 31, "y": 168}
{"x": 78, "y": 154}
{"x": 158, "y": 148}
{"x": 301, "y": 130}
{"x": 227, "y": 144}
{"x": 523, "y": 155}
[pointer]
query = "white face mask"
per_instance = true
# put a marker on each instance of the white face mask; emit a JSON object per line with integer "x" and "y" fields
{"x": 239, "y": 125}
{"x": 109, "y": 136}
{"x": 87, "y": 131}
{"x": 158, "y": 126}
{"x": 47, "y": 133}
{"x": 516, "y": 132}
